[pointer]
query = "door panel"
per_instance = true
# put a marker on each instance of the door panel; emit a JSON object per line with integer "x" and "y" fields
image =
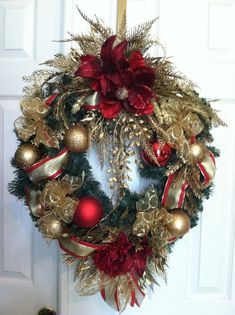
{"x": 28, "y": 266}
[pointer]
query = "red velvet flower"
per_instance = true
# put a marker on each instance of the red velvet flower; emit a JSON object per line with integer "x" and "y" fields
{"x": 123, "y": 84}
{"x": 120, "y": 257}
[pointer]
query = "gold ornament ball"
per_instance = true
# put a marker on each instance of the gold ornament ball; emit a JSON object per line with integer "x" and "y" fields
{"x": 26, "y": 155}
{"x": 76, "y": 139}
{"x": 51, "y": 226}
{"x": 198, "y": 151}
{"x": 180, "y": 224}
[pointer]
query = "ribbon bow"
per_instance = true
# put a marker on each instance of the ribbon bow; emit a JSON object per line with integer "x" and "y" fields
{"x": 31, "y": 123}
{"x": 55, "y": 196}
{"x": 152, "y": 218}
{"x": 180, "y": 136}
{"x": 177, "y": 183}
{"x": 187, "y": 125}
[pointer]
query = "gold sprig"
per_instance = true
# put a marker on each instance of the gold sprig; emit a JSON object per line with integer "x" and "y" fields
{"x": 62, "y": 63}
{"x": 97, "y": 25}
{"x": 138, "y": 37}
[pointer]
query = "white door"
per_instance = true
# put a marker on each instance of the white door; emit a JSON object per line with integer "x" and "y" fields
{"x": 28, "y": 267}
{"x": 200, "y": 36}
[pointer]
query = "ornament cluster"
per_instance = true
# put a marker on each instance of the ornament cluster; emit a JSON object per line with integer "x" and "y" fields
{"x": 88, "y": 211}
{"x": 110, "y": 94}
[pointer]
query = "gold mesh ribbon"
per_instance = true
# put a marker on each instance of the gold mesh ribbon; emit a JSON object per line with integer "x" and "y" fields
{"x": 121, "y": 291}
{"x": 152, "y": 218}
{"x": 117, "y": 292}
{"x": 188, "y": 125}
{"x": 55, "y": 196}
{"x": 32, "y": 123}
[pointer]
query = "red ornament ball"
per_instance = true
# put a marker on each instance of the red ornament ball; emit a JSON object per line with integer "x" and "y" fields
{"x": 88, "y": 213}
{"x": 161, "y": 151}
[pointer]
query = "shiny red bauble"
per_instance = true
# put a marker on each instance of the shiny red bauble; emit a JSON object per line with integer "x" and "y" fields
{"x": 161, "y": 151}
{"x": 88, "y": 213}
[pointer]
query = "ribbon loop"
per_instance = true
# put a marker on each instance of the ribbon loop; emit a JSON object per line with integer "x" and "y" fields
{"x": 191, "y": 124}
{"x": 48, "y": 168}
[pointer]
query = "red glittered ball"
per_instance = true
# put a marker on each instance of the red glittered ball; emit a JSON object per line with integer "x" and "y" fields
{"x": 161, "y": 151}
{"x": 88, "y": 213}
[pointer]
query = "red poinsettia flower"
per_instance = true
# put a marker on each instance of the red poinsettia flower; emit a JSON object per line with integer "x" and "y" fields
{"x": 123, "y": 84}
{"x": 120, "y": 257}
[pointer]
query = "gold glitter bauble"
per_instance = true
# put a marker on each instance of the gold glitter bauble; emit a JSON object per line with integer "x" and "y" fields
{"x": 26, "y": 155}
{"x": 76, "y": 139}
{"x": 197, "y": 151}
{"x": 180, "y": 224}
{"x": 51, "y": 226}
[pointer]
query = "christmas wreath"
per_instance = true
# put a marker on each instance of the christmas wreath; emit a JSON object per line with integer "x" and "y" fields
{"x": 132, "y": 107}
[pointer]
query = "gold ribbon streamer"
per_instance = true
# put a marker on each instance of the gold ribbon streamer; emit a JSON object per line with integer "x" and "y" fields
{"x": 48, "y": 168}
{"x": 174, "y": 191}
{"x": 55, "y": 196}
{"x": 177, "y": 183}
{"x": 33, "y": 201}
{"x": 117, "y": 291}
{"x": 32, "y": 123}
{"x": 189, "y": 125}
{"x": 208, "y": 168}
{"x": 92, "y": 99}
{"x": 78, "y": 248}
{"x": 120, "y": 292}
